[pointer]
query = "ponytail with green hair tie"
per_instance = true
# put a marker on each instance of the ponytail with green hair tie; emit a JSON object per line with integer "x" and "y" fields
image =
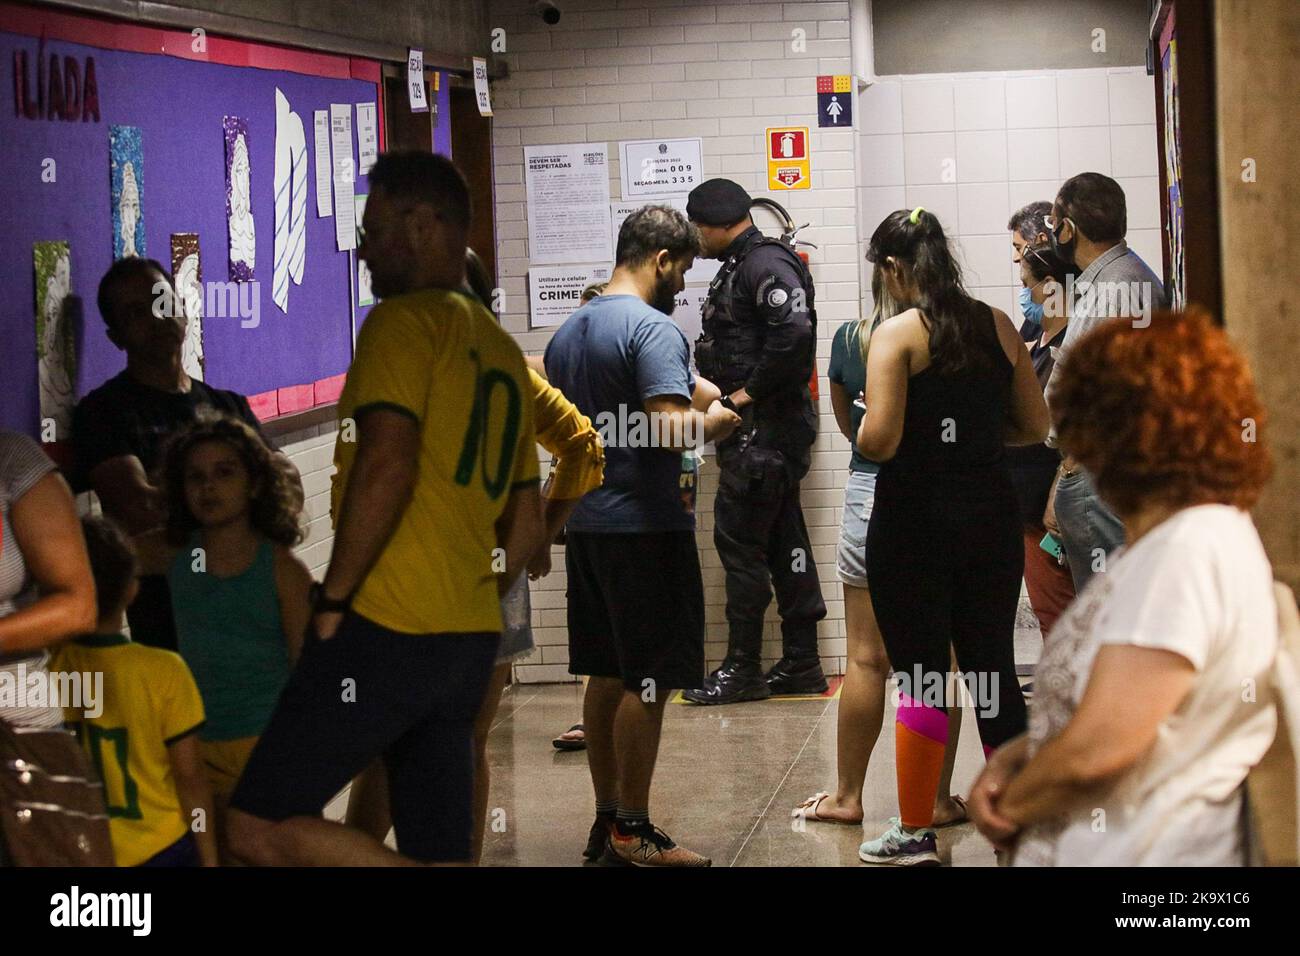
{"x": 916, "y": 215}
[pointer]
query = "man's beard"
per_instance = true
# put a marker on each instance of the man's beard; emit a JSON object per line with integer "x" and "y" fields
{"x": 665, "y": 299}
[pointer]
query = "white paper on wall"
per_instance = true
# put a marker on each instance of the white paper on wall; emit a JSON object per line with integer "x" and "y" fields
{"x": 323, "y": 194}
{"x": 367, "y": 136}
{"x": 568, "y": 203}
{"x": 481, "y": 93}
{"x": 345, "y": 223}
{"x": 415, "y": 81}
{"x": 555, "y": 292}
{"x": 657, "y": 167}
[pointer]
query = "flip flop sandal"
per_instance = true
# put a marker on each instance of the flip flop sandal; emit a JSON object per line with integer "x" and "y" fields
{"x": 560, "y": 743}
{"x": 955, "y": 821}
{"x": 808, "y": 810}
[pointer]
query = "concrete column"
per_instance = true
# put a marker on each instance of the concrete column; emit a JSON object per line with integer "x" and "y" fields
{"x": 1257, "y": 74}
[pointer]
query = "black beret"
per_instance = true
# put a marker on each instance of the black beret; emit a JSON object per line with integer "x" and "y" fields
{"x": 718, "y": 202}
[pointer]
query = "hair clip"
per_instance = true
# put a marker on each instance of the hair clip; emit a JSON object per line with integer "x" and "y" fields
{"x": 916, "y": 215}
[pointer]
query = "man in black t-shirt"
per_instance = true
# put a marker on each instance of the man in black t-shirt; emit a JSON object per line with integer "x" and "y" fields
{"x": 120, "y": 428}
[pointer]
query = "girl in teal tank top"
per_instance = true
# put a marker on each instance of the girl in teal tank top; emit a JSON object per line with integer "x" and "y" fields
{"x": 239, "y": 595}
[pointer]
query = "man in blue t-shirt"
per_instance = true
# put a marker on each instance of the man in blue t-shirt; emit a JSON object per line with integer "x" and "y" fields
{"x": 636, "y": 598}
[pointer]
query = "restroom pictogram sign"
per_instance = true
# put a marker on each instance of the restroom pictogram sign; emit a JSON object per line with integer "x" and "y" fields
{"x": 789, "y": 159}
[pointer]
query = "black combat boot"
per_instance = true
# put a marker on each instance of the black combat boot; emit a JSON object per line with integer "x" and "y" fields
{"x": 802, "y": 676}
{"x": 737, "y": 680}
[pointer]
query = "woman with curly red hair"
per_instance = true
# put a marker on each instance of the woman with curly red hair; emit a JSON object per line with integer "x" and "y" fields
{"x": 1151, "y": 701}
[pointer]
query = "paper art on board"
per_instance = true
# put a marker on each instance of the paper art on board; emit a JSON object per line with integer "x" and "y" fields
{"x": 55, "y": 337}
{"x": 188, "y": 276}
{"x": 127, "y": 176}
{"x": 290, "y": 201}
{"x": 239, "y": 200}
{"x": 365, "y": 294}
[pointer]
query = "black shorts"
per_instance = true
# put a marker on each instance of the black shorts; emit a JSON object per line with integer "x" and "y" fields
{"x": 367, "y": 692}
{"x": 636, "y": 608}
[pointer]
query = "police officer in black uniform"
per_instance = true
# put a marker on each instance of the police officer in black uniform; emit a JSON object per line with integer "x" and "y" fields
{"x": 758, "y": 343}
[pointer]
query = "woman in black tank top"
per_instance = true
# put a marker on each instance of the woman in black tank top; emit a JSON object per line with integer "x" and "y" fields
{"x": 944, "y": 556}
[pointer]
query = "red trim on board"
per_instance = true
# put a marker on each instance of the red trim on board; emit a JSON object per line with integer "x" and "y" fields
{"x": 329, "y": 389}
{"x": 134, "y": 38}
{"x": 297, "y": 398}
{"x": 265, "y": 404}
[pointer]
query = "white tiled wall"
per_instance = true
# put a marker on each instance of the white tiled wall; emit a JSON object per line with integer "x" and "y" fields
{"x": 630, "y": 69}
{"x": 974, "y": 147}
{"x": 309, "y": 443}
{"x": 635, "y": 69}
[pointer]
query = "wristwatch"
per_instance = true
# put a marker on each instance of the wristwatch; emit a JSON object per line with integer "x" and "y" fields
{"x": 320, "y": 604}
{"x": 726, "y": 402}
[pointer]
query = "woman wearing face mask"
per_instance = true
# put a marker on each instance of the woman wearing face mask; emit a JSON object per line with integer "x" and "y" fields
{"x": 949, "y": 384}
{"x": 1044, "y": 277}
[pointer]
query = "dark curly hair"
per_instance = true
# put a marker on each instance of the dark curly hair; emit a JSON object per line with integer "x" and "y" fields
{"x": 276, "y": 507}
{"x": 1166, "y": 413}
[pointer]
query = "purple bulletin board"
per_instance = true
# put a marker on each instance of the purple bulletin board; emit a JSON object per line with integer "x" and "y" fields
{"x": 178, "y": 104}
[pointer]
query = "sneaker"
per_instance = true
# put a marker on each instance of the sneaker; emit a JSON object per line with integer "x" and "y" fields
{"x": 900, "y": 848}
{"x": 600, "y": 831}
{"x": 648, "y": 846}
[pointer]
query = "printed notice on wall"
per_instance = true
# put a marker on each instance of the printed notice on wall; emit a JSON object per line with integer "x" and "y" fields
{"x": 656, "y": 167}
{"x": 481, "y": 93}
{"x": 555, "y": 292}
{"x": 344, "y": 174}
{"x": 415, "y": 81}
{"x": 568, "y": 203}
{"x": 701, "y": 273}
{"x": 367, "y": 136}
{"x": 323, "y": 194}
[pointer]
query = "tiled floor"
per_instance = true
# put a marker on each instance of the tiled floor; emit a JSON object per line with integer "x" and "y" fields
{"x": 725, "y": 784}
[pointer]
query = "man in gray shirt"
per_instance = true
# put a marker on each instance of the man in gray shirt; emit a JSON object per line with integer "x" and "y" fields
{"x": 1087, "y": 227}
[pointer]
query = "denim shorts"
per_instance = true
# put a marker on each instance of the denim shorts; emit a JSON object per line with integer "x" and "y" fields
{"x": 851, "y": 556}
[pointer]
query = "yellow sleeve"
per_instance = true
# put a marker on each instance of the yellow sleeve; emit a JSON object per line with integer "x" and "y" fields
{"x": 526, "y": 471}
{"x": 569, "y": 436}
{"x": 63, "y": 659}
{"x": 394, "y": 357}
{"x": 183, "y": 711}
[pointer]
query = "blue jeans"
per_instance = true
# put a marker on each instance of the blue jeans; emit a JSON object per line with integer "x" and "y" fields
{"x": 1087, "y": 526}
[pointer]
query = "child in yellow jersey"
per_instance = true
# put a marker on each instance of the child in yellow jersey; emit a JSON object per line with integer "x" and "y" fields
{"x": 144, "y": 740}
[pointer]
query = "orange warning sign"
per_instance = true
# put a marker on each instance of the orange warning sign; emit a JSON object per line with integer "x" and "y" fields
{"x": 789, "y": 158}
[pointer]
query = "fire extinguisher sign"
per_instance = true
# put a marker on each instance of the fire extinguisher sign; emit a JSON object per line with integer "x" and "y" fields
{"x": 789, "y": 158}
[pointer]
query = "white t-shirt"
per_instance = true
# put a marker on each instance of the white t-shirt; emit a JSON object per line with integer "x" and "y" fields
{"x": 1200, "y": 585}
